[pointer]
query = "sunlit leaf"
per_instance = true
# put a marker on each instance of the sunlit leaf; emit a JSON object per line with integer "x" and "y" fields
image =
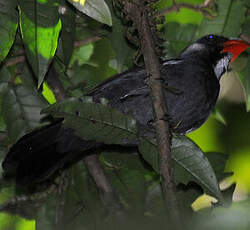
{"x": 40, "y": 26}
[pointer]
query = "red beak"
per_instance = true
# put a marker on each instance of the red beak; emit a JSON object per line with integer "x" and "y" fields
{"x": 236, "y": 47}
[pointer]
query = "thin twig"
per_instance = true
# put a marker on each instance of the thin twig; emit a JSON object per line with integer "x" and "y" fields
{"x": 108, "y": 196}
{"x": 15, "y": 60}
{"x": 138, "y": 13}
{"x": 177, "y": 6}
{"x": 86, "y": 41}
{"x": 21, "y": 58}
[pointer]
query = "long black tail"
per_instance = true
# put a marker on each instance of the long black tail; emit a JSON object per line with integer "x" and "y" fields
{"x": 41, "y": 153}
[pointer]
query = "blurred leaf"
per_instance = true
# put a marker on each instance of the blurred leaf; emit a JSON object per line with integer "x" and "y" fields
{"x": 123, "y": 52}
{"x": 126, "y": 172}
{"x": 219, "y": 116}
{"x": 190, "y": 164}
{"x": 228, "y": 22}
{"x": 178, "y": 37}
{"x": 8, "y": 26}
{"x": 184, "y": 15}
{"x": 96, "y": 9}
{"x": 235, "y": 217}
{"x": 94, "y": 121}
{"x": 45, "y": 218}
{"x": 244, "y": 76}
{"x": 103, "y": 70}
{"x": 186, "y": 195}
{"x": 68, "y": 32}
{"x": 40, "y": 26}
{"x": 78, "y": 203}
{"x": 82, "y": 54}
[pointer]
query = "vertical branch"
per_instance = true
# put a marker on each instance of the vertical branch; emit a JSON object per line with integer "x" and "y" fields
{"x": 138, "y": 11}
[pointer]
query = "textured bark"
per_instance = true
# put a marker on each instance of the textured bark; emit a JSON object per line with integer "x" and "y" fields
{"x": 138, "y": 11}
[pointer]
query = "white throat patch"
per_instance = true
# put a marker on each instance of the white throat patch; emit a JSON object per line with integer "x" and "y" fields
{"x": 222, "y": 66}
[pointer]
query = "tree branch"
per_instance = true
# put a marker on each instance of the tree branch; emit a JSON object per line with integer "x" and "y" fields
{"x": 21, "y": 57}
{"x": 177, "y": 6}
{"x": 138, "y": 13}
{"x": 108, "y": 196}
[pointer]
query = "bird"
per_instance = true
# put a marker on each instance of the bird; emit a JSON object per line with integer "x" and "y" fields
{"x": 191, "y": 86}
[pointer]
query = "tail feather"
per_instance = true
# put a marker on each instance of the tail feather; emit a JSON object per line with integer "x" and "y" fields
{"x": 39, "y": 154}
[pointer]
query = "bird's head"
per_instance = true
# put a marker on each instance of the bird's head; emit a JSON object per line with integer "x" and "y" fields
{"x": 216, "y": 50}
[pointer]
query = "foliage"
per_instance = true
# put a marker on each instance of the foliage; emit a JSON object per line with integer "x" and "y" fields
{"x": 84, "y": 41}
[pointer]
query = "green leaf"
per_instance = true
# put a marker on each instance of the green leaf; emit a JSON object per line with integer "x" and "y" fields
{"x": 8, "y": 26}
{"x": 82, "y": 54}
{"x": 219, "y": 116}
{"x": 96, "y": 9}
{"x": 67, "y": 35}
{"x": 245, "y": 80}
{"x": 40, "y": 26}
{"x": 190, "y": 164}
{"x": 228, "y": 22}
{"x": 183, "y": 15}
{"x": 94, "y": 121}
{"x": 123, "y": 52}
{"x": 218, "y": 162}
{"x": 20, "y": 109}
{"x": 178, "y": 37}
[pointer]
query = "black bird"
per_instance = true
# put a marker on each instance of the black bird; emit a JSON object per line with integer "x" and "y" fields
{"x": 191, "y": 87}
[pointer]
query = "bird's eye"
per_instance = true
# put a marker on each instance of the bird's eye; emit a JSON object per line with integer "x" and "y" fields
{"x": 210, "y": 36}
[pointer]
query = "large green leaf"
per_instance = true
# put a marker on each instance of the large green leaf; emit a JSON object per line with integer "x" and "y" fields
{"x": 245, "y": 79}
{"x": 96, "y": 9}
{"x": 93, "y": 121}
{"x": 228, "y": 22}
{"x": 40, "y": 26}
{"x": 190, "y": 163}
{"x": 20, "y": 108}
{"x": 8, "y": 26}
